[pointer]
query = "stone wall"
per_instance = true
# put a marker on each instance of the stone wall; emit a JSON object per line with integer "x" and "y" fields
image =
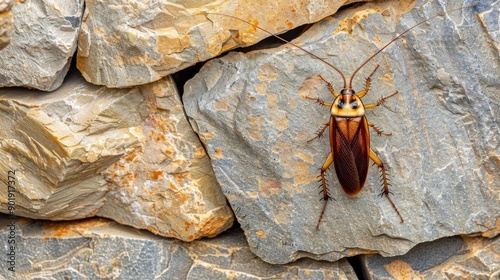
{"x": 95, "y": 125}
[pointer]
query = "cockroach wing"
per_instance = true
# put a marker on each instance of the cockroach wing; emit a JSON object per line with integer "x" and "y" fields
{"x": 350, "y": 145}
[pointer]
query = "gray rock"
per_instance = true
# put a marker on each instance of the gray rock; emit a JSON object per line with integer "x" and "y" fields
{"x": 126, "y": 154}
{"x": 250, "y": 111}
{"x": 102, "y": 249}
{"x": 139, "y": 42}
{"x": 447, "y": 258}
{"x": 43, "y": 44}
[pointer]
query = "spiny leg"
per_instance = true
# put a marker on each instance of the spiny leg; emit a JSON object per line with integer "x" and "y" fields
{"x": 330, "y": 87}
{"x": 325, "y": 126}
{"x": 326, "y": 195}
{"x": 378, "y": 130}
{"x": 385, "y": 191}
{"x": 382, "y": 100}
{"x": 320, "y": 133}
{"x": 332, "y": 91}
{"x": 319, "y": 101}
{"x": 367, "y": 85}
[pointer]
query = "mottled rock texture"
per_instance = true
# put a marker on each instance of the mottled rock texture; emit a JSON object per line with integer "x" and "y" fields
{"x": 6, "y": 22}
{"x": 138, "y": 42}
{"x": 443, "y": 156}
{"x": 447, "y": 258}
{"x": 127, "y": 154}
{"x": 42, "y": 45}
{"x": 100, "y": 249}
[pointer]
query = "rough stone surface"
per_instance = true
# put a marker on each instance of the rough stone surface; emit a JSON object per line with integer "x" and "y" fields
{"x": 127, "y": 154}
{"x": 138, "y": 42}
{"x": 447, "y": 258}
{"x": 6, "y": 22}
{"x": 101, "y": 249}
{"x": 443, "y": 155}
{"x": 43, "y": 43}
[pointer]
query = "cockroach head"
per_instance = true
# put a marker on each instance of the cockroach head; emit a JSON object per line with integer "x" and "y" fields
{"x": 347, "y": 104}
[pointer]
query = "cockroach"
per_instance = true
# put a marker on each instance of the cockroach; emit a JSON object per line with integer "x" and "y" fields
{"x": 349, "y": 135}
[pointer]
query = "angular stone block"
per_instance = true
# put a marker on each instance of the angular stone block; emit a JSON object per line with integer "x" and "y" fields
{"x": 251, "y": 112}
{"x": 138, "y": 42}
{"x": 127, "y": 154}
{"x": 43, "y": 43}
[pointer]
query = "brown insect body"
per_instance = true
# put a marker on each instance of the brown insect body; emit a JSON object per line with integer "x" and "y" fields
{"x": 349, "y": 135}
{"x": 349, "y": 142}
{"x": 350, "y": 150}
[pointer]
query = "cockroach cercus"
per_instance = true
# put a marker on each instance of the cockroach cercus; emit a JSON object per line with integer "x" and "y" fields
{"x": 350, "y": 150}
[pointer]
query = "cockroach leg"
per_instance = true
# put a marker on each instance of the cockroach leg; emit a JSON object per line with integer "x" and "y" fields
{"x": 385, "y": 191}
{"x": 368, "y": 82}
{"x": 326, "y": 195}
{"x": 320, "y": 133}
{"x": 320, "y": 101}
{"x": 380, "y": 102}
{"x": 330, "y": 87}
{"x": 383, "y": 99}
{"x": 378, "y": 130}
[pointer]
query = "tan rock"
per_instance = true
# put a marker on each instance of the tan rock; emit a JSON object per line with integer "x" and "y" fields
{"x": 139, "y": 42}
{"x": 43, "y": 44}
{"x": 6, "y": 22}
{"x": 126, "y": 154}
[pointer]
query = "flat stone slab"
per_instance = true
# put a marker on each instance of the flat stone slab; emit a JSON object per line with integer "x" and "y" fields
{"x": 102, "y": 249}
{"x": 251, "y": 112}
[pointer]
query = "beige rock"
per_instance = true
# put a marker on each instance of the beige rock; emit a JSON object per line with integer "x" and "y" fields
{"x": 126, "y": 154}
{"x": 6, "y": 22}
{"x": 139, "y": 42}
{"x": 43, "y": 44}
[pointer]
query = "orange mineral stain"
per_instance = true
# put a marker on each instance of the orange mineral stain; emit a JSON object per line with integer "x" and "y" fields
{"x": 218, "y": 154}
{"x": 155, "y": 174}
{"x": 261, "y": 234}
{"x": 401, "y": 270}
{"x": 269, "y": 187}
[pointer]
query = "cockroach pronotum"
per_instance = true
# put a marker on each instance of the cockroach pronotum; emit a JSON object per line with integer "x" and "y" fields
{"x": 350, "y": 150}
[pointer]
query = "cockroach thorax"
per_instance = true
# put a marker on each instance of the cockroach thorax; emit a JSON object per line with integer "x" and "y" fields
{"x": 347, "y": 104}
